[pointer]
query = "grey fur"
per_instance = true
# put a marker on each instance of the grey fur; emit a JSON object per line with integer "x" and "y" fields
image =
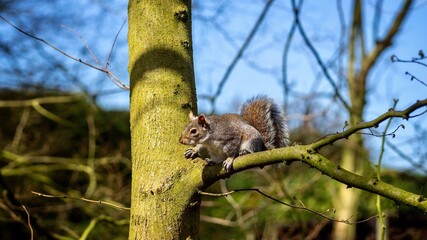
{"x": 260, "y": 126}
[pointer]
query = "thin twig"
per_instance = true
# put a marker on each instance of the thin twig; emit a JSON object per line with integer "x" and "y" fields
{"x": 285, "y": 82}
{"x": 115, "y": 80}
{"x": 302, "y": 207}
{"x": 46, "y": 113}
{"x": 404, "y": 156}
{"x": 242, "y": 49}
{"x": 317, "y": 56}
{"x": 342, "y": 41}
{"x": 29, "y": 221}
{"x": 405, "y": 114}
{"x": 377, "y": 19}
{"x": 20, "y": 129}
{"x": 84, "y": 43}
{"x": 385, "y": 42}
{"x": 107, "y": 64}
{"x": 416, "y": 79}
{"x": 82, "y": 199}
{"x": 40, "y": 100}
{"x": 395, "y": 58}
{"x": 392, "y": 133}
{"x": 380, "y": 158}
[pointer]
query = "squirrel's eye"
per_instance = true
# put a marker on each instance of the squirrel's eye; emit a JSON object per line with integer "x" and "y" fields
{"x": 193, "y": 131}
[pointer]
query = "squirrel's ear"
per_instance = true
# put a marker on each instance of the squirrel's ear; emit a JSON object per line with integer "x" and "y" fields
{"x": 191, "y": 116}
{"x": 202, "y": 121}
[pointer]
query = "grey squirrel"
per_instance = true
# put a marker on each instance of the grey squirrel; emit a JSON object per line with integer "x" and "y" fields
{"x": 259, "y": 127}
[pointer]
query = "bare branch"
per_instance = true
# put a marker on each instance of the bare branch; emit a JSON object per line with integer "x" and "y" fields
{"x": 416, "y": 60}
{"x": 20, "y": 129}
{"x": 414, "y": 163}
{"x": 380, "y": 158}
{"x": 40, "y": 100}
{"x": 84, "y": 43}
{"x": 309, "y": 155}
{"x": 317, "y": 56}
{"x": 405, "y": 114}
{"x": 107, "y": 64}
{"x": 242, "y": 49}
{"x": 377, "y": 19}
{"x": 82, "y": 199}
{"x": 29, "y": 222}
{"x": 285, "y": 82}
{"x": 415, "y": 78}
{"x": 387, "y": 40}
{"x": 115, "y": 80}
{"x": 302, "y": 207}
{"x": 36, "y": 104}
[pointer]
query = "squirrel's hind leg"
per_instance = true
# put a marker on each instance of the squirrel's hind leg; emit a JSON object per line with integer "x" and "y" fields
{"x": 244, "y": 152}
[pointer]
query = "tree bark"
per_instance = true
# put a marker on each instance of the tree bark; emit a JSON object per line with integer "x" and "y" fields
{"x": 164, "y": 200}
{"x": 352, "y": 157}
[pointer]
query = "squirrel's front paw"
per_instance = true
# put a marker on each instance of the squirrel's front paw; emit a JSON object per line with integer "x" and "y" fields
{"x": 190, "y": 153}
{"x": 228, "y": 164}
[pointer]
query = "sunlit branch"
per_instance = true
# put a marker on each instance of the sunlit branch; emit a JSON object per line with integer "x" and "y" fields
{"x": 309, "y": 155}
{"x": 40, "y": 100}
{"x": 82, "y": 199}
{"x": 405, "y": 114}
{"x": 97, "y": 219}
{"x": 20, "y": 129}
{"x": 36, "y": 104}
{"x": 380, "y": 158}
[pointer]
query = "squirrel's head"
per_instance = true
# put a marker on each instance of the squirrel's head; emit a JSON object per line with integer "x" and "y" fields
{"x": 196, "y": 131}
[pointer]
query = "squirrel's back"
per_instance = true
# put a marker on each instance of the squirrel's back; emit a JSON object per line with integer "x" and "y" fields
{"x": 262, "y": 113}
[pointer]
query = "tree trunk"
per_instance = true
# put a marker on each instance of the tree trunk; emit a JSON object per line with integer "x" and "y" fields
{"x": 164, "y": 200}
{"x": 353, "y": 157}
{"x": 348, "y": 199}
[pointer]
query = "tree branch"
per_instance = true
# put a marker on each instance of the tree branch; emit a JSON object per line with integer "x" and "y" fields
{"x": 405, "y": 114}
{"x": 302, "y": 207}
{"x": 109, "y": 74}
{"x": 308, "y": 154}
{"x": 317, "y": 56}
{"x": 387, "y": 40}
{"x": 82, "y": 199}
{"x": 285, "y": 54}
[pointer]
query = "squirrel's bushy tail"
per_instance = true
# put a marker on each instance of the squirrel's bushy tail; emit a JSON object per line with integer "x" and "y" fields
{"x": 262, "y": 113}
